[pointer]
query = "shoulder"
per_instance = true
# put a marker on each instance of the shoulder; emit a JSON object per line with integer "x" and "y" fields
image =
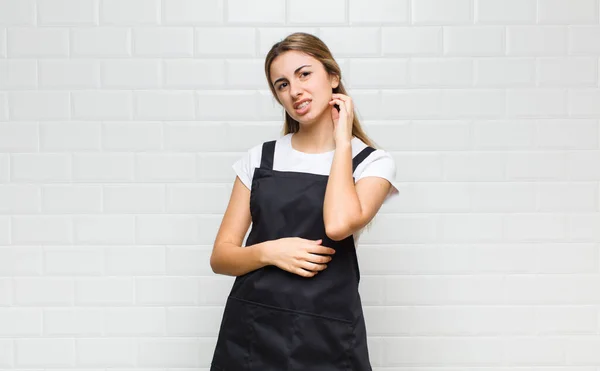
{"x": 246, "y": 163}
{"x": 379, "y": 163}
{"x": 378, "y": 155}
{"x": 255, "y": 152}
{"x": 252, "y": 155}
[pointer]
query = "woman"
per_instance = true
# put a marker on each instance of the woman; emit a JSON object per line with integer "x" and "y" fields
{"x": 295, "y": 304}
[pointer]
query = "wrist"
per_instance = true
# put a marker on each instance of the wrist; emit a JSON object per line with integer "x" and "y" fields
{"x": 263, "y": 252}
{"x": 343, "y": 144}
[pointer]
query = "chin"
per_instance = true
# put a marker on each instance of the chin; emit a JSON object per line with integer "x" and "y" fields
{"x": 309, "y": 118}
{"x": 306, "y": 120}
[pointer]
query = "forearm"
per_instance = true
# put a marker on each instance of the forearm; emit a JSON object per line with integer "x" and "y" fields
{"x": 232, "y": 260}
{"x": 341, "y": 208}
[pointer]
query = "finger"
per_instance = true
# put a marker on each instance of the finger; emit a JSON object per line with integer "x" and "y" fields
{"x": 344, "y": 98}
{"x": 312, "y": 266}
{"x": 341, "y": 103}
{"x": 347, "y": 105}
{"x": 320, "y": 249}
{"x": 304, "y": 273}
{"x": 315, "y": 258}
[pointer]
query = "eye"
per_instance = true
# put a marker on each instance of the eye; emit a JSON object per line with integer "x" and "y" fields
{"x": 303, "y": 74}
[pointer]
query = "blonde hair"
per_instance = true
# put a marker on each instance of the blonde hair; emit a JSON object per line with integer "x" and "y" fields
{"x": 315, "y": 47}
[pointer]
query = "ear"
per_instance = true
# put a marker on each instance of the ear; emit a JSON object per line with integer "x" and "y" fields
{"x": 335, "y": 81}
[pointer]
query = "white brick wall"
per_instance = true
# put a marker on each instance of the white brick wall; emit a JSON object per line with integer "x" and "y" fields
{"x": 117, "y": 135}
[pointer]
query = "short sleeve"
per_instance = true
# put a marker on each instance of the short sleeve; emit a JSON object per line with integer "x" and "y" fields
{"x": 380, "y": 164}
{"x": 245, "y": 165}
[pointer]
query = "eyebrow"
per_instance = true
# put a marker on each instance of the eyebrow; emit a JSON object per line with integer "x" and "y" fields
{"x": 295, "y": 72}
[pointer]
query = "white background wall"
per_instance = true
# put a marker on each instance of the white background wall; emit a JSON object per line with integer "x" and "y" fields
{"x": 120, "y": 119}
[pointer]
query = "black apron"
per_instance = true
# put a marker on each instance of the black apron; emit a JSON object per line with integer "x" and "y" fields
{"x": 275, "y": 320}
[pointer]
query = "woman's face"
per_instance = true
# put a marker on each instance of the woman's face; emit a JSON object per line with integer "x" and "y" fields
{"x": 297, "y": 78}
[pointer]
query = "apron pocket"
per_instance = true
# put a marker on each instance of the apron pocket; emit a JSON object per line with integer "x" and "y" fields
{"x": 272, "y": 332}
{"x": 284, "y": 339}
{"x": 321, "y": 344}
{"x": 233, "y": 342}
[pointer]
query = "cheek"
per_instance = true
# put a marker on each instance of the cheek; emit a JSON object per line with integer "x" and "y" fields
{"x": 284, "y": 102}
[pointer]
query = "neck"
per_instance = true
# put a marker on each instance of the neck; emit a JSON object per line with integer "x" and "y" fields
{"x": 315, "y": 137}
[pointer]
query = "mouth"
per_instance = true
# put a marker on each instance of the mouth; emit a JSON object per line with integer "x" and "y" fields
{"x": 303, "y": 107}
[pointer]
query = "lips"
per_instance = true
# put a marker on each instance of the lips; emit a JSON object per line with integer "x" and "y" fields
{"x": 303, "y": 109}
{"x": 300, "y": 102}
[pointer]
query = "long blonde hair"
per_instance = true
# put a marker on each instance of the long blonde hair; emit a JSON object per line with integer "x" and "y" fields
{"x": 315, "y": 47}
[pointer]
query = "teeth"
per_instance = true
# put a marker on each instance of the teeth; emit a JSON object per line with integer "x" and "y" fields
{"x": 304, "y": 104}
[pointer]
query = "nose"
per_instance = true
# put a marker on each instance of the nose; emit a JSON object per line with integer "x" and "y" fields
{"x": 295, "y": 90}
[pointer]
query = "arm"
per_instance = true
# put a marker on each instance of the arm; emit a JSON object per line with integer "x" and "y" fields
{"x": 228, "y": 256}
{"x": 296, "y": 255}
{"x": 349, "y": 207}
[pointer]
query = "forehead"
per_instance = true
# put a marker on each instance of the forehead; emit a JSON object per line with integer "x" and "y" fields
{"x": 287, "y": 62}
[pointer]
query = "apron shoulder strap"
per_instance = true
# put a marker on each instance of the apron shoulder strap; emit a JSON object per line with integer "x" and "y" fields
{"x": 268, "y": 152}
{"x": 360, "y": 157}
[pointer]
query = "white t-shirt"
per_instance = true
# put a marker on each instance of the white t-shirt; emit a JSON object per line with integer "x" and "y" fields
{"x": 379, "y": 163}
